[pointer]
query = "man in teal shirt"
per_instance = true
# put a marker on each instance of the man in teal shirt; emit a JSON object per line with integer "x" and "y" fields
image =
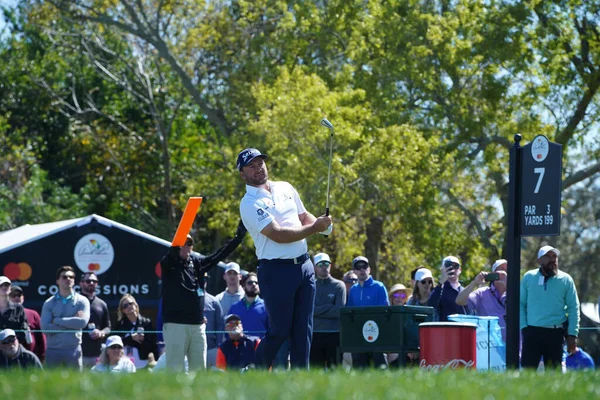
{"x": 548, "y": 303}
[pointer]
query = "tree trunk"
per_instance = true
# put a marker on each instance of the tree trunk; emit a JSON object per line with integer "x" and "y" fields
{"x": 373, "y": 242}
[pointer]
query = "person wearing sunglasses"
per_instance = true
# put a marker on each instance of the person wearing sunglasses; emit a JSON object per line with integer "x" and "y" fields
{"x": 443, "y": 297}
{"x": 423, "y": 287}
{"x": 13, "y": 355}
{"x": 113, "y": 358}
{"x": 330, "y": 297}
{"x": 350, "y": 279}
{"x": 12, "y": 315}
{"x": 65, "y": 315}
{"x": 398, "y": 295}
{"x": 98, "y": 326}
{"x": 136, "y": 332}
{"x": 368, "y": 292}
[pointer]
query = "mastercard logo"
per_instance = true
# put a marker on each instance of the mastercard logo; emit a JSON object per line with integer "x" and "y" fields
{"x": 17, "y": 271}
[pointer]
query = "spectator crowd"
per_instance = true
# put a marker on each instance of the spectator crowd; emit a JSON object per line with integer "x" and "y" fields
{"x": 196, "y": 330}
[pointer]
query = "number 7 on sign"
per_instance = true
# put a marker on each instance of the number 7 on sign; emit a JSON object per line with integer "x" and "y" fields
{"x": 540, "y": 171}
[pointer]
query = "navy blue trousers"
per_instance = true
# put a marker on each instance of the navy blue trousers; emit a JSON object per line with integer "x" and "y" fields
{"x": 289, "y": 294}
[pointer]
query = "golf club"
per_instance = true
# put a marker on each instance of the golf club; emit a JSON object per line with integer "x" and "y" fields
{"x": 325, "y": 122}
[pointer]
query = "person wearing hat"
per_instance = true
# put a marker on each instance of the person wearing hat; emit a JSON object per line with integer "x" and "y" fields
{"x": 423, "y": 287}
{"x": 443, "y": 297}
{"x": 34, "y": 321}
{"x": 13, "y": 355}
{"x": 490, "y": 300}
{"x": 330, "y": 297}
{"x": 279, "y": 225}
{"x": 548, "y": 302}
{"x": 238, "y": 350}
{"x": 398, "y": 295}
{"x": 234, "y": 291}
{"x": 367, "y": 292}
{"x": 113, "y": 359}
{"x": 12, "y": 315}
{"x": 182, "y": 297}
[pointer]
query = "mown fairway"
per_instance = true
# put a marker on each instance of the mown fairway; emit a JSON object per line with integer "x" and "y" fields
{"x": 407, "y": 384}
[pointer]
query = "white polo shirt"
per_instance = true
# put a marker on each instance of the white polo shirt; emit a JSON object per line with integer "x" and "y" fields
{"x": 259, "y": 208}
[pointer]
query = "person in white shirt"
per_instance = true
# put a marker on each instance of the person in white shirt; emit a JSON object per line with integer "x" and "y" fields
{"x": 279, "y": 225}
{"x": 234, "y": 291}
{"x": 112, "y": 358}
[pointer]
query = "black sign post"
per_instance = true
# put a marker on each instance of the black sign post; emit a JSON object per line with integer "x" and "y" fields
{"x": 534, "y": 196}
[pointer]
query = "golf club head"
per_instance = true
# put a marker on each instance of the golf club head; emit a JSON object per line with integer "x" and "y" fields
{"x": 325, "y": 122}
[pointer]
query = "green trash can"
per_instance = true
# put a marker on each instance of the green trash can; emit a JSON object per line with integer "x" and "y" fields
{"x": 382, "y": 329}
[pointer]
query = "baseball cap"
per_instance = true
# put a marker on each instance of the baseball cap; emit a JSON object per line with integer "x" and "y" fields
{"x": 4, "y": 280}
{"x": 16, "y": 288}
{"x": 232, "y": 266}
{"x": 246, "y": 156}
{"x": 232, "y": 317}
{"x": 423, "y": 273}
{"x": 358, "y": 260}
{"x": 545, "y": 249}
{"x": 498, "y": 263}
{"x": 114, "y": 339}
{"x": 451, "y": 259}
{"x": 7, "y": 333}
{"x": 321, "y": 257}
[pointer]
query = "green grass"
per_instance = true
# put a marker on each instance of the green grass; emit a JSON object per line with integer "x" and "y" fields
{"x": 400, "y": 384}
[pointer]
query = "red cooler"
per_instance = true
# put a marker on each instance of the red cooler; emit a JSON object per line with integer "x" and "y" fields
{"x": 447, "y": 345}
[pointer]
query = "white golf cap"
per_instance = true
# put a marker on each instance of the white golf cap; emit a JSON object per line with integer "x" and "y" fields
{"x": 4, "y": 280}
{"x": 232, "y": 266}
{"x": 321, "y": 257}
{"x": 498, "y": 263}
{"x": 545, "y": 249}
{"x": 114, "y": 339}
{"x": 7, "y": 333}
{"x": 422, "y": 273}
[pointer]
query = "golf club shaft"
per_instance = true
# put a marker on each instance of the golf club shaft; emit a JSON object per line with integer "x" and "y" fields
{"x": 329, "y": 170}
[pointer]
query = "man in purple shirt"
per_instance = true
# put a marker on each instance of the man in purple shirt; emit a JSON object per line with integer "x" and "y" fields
{"x": 487, "y": 301}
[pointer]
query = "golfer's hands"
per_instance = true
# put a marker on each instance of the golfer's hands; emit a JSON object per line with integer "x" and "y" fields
{"x": 322, "y": 223}
{"x": 327, "y": 231}
{"x": 571, "y": 344}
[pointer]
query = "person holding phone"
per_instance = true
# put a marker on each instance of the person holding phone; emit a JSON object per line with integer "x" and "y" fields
{"x": 443, "y": 297}
{"x": 490, "y": 300}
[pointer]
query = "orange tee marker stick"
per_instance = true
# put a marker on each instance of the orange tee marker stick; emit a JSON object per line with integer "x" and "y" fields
{"x": 187, "y": 220}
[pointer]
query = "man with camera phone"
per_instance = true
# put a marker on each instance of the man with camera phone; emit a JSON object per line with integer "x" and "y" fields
{"x": 490, "y": 300}
{"x": 443, "y": 297}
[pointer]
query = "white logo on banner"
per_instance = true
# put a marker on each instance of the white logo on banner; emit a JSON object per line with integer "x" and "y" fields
{"x": 94, "y": 253}
{"x": 370, "y": 331}
{"x": 452, "y": 364}
{"x": 540, "y": 148}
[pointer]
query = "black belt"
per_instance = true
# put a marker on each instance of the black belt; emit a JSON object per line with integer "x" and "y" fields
{"x": 298, "y": 260}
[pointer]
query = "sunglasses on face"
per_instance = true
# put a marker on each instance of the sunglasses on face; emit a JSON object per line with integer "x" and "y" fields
{"x": 189, "y": 243}
{"x": 115, "y": 347}
{"x": 399, "y": 295}
{"x": 5, "y": 285}
{"x": 126, "y": 305}
{"x": 324, "y": 264}
{"x": 91, "y": 281}
{"x": 451, "y": 264}
{"x": 9, "y": 340}
{"x": 252, "y": 283}
{"x": 361, "y": 266}
{"x": 65, "y": 277}
{"x": 351, "y": 280}
{"x": 15, "y": 295}
{"x": 427, "y": 282}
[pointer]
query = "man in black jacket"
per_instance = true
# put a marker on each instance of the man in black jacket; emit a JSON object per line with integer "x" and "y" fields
{"x": 13, "y": 355}
{"x": 184, "y": 329}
